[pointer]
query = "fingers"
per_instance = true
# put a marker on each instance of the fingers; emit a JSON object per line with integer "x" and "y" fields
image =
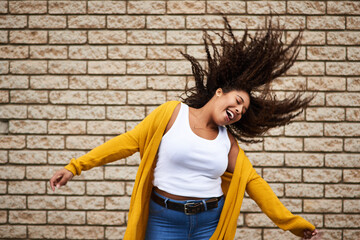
{"x": 308, "y": 234}
{"x": 55, "y": 179}
{"x": 60, "y": 178}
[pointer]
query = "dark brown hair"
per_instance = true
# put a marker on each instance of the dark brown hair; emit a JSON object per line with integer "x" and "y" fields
{"x": 250, "y": 64}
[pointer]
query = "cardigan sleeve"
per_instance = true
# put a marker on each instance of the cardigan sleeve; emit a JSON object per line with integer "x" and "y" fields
{"x": 260, "y": 191}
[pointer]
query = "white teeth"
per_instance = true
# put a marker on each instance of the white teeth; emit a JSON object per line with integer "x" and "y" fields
{"x": 231, "y": 114}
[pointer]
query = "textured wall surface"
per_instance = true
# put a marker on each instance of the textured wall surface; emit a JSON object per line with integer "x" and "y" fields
{"x": 74, "y": 74}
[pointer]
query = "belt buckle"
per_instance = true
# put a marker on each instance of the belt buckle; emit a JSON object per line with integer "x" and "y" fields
{"x": 190, "y": 205}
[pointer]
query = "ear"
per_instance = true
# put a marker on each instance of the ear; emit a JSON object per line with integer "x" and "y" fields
{"x": 218, "y": 92}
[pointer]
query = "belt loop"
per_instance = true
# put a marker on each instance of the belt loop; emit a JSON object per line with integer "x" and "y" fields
{"x": 205, "y": 205}
{"x": 165, "y": 201}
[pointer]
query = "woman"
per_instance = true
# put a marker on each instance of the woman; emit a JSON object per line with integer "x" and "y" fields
{"x": 193, "y": 175}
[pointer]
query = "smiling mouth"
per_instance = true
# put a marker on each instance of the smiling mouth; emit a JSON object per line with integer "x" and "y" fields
{"x": 230, "y": 114}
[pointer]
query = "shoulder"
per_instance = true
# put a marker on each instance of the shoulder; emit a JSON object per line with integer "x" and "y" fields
{"x": 232, "y": 138}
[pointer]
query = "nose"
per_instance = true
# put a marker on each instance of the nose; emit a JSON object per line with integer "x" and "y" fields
{"x": 237, "y": 109}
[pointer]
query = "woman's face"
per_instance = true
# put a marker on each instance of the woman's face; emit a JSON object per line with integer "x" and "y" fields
{"x": 230, "y": 107}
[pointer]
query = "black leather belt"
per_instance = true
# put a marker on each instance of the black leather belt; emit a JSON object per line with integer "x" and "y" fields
{"x": 188, "y": 208}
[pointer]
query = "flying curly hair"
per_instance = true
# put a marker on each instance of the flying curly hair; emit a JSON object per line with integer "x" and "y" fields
{"x": 250, "y": 64}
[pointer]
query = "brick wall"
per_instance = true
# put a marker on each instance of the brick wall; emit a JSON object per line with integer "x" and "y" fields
{"x": 74, "y": 74}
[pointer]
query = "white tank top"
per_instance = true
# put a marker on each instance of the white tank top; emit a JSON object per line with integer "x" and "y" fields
{"x": 189, "y": 165}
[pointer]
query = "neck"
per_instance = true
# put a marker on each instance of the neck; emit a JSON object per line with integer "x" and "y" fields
{"x": 203, "y": 116}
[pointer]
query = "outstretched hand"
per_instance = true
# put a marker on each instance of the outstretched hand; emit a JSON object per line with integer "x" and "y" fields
{"x": 60, "y": 178}
{"x": 308, "y": 234}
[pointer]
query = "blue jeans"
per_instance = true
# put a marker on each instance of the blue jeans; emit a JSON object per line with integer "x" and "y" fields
{"x": 167, "y": 224}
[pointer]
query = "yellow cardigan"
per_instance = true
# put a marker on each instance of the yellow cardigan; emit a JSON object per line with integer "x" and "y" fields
{"x": 146, "y": 138}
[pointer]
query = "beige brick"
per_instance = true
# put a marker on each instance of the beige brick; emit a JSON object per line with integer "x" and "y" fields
{"x": 13, "y": 21}
{"x": 249, "y": 205}
{"x": 117, "y": 203}
{"x": 313, "y": 37}
{"x": 4, "y": 7}
{"x": 173, "y": 95}
{"x": 114, "y": 232}
{"x": 120, "y": 173}
{"x": 13, "y": 111}
{"x": 85, "y": 232}
{"x": 178, "y": 67}
{"x": 45, "y": 142}
{"x": 28, "y": 67}
{"x": 68, "y": 37}
{"x": 226, "y": 7}
{"x": 306, "y": 7}
{"x": 326, "y": 53}
{"x": 304, "y": 160}
{"x": 107, "y": 97}
{"x": 342, "y": 221}
{"x": 165, "y": 52}
{"x": 352, "y": 175}
{"x": 68, "y": 97}
{"x": 325, "y": 22}
{"x": 342, "y": 191}
{"x": 13, "y": 81}
{"x": 283, "y": 144}
{"x": 343, "y": 38}
{"x": 13, "y": 142}
{"x": 248, "y": 234}
{"x": 3, "y": 36}
{"x": 28, "y": 37}
{"x": 105, "y": 188}
{"x": 353, "y": 114}
{"x": 351, "y": 234}
{"x": 4, "y": 67}
{"x": 83, "y": 142}
{"x": 290, "y": 22}
{"x": 342, "y": 99}
{"x": 145, "y": 37}
{"x": 46, "y": 232}
{"x": 63, "y": 157}
{"x": 304, "y": 190}
{"x": 72, "y": 188}
{"x": 277, "y": 131}
{"x": 353, "y": 84}
{"x": 129, "y": 187}
{"x": 3, "y": 217}
{"x": 3, "y": 156}
{"x": 66, "y": 127}
{"x": 343, "y": 68}
{"x": 26, "y": 187}
{"x": 106, "y": 67}
{"x": 242, "y": 22}
{"x": 105, "y": 127}
{"x": 323, "y": 144}
{"x": 307, "y": 68}
{"x": 278, "y": 234}
{"x": 49, "y": 82}
{"x": 12, "y": 231}
{"x": 352, "y": 145}
{"x": 258, "y": 220}
{"x": 326, "y": 83}
{"x": 353, "y": 53}
{"x": 264, "y": 7}
{"x": 27, "y": 7}
{"x": 107, "y": 37}
{"x": 46, "y": 112}
{"x": 46, "y": 202}
{"x": 13, "y": 52}
{"x": 342, "y": 160}
{"x": 86, "y": 21}
{"x": 27, "y": 126}
{"x": 282, "y": 174}
{"x": 133, "y": 159}
{"x": 343, "y": 7}
{"x": 106, "y": 7}
{"x": 330, "y": 234}
{"x": 27, "y": 217}
{"x": 27, "y": 157}
{"x": 67, "y": 67}
{"x": 87, "y": 82}
{"x": 40, "y": 172}
{"x": 94, "y": 174}
{"x": 342, "y": 129}
{"x": 165, "y": 22}
{"x": 168, "y": 82}
{"x": 86, "y": 112}
{"x": 289, "y": 83}
{"x": 127, "y": 52}
{"x": 47, "y": 22}
{"x": 125, "y": 22}
{"x": 184, "y": 37}
{"x": 3, "y": 187}
{"x": 66, "y": 217}
{"x": 304, "y": 129}
{"x": 204, "y": 22}
{"x": 188, "y": 7}
{"x": 12, "y": 202}
{"x": 125, "y": 113}
{"x": 147, "y": 97}
{"x": 268, "y": 159}
{"x": 87, "y": 52}
{"x": 146, "y": 7}
{"x": 83, "y": 202}
{"x": 322, "y": 175}
{"x": 106, "y": 218}
{"x": 65, "y": 7}
{"x": 353, "y": 23}
{"x": 352, "y": 206}
{"x": 28, "y": 96}
{"x": 4, "y": 97}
